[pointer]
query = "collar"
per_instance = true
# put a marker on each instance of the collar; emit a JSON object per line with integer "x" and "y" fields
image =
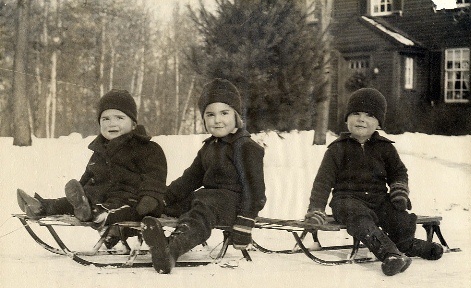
{"x": 229, "y": 138}
{"x": 347, "y": 136}
{"x": 100, "y": 143}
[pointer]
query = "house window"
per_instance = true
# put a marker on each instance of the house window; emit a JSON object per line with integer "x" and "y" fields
{"x": 381, "y": 7}
{"x": 359, "y": 64}
{"x": 409, "y": 73}
{"x": 457, "y": 75}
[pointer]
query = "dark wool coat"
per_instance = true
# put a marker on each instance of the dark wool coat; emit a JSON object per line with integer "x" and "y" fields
{"x": 124, "y": 169}
{"x": 350, "y": 169}
{"x": 235, "y": 163}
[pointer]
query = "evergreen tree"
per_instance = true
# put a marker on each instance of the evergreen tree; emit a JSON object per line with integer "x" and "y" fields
{"x": 269, "y": 51}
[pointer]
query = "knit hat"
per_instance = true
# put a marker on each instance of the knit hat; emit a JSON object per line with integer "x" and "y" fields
{"x": 220, "y": 90}
{"x": 367, "y": 100}
{"x": 120, "y": 100}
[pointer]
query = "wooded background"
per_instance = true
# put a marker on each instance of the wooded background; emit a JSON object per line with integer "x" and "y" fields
{"x": 57, "y": 57}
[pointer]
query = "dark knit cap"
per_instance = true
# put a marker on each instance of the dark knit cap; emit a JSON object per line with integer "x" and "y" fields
{"x": 220, "y": 90}
{"x": 120, "y": 100}
{"x": 367, "y": 100}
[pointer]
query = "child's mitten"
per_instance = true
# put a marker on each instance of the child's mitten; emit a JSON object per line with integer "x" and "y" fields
{"x": 399, "y": 196}
{"x": 242, "y": 232}
{"x": 315, "y": 217}
{"x": 150, "y": 206}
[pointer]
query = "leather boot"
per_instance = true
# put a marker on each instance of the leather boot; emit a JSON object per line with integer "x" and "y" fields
{"x": 421, "y": 248}
{"x": 31, "y": 206}
{"x": 385, "y": 250}
{"x": 76, "y": 196}
{"x": 163, "y": 260}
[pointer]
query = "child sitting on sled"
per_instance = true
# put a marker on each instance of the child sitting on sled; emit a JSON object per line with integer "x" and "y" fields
{"x": 357, "y": 167}
{"x": 124, "y": 177}
{"x": 228, "y": 169}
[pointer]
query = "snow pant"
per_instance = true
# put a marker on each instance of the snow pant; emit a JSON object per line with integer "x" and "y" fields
{"x": 362, "y": 219}
{"x": 209, "y": 208}
{"x": 120, "y": 210}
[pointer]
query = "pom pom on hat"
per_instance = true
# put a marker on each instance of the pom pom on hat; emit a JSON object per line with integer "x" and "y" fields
{"x": 120, "y": 100}
{"x": 368, "y": 100}
{"x": 220, "y": 90}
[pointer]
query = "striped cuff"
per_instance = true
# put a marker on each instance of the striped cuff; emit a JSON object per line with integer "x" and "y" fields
{"x": 244, "y": 224}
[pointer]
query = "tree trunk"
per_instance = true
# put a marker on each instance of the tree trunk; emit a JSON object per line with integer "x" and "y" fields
{"x": 101, "y": 62}
{"x": 177, "y": 91}
{"x": 187, "y": 103}
{"x": 322, "y": 107}
{"x": 112, "y": 62}
{"x": 42, "y": 87}
{"x": 21, "y": 131}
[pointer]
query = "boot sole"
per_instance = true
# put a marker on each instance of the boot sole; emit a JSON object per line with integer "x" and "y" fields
{"x": 76, "y": 197}
{"x": 155, "y": 238}
{"x": 29, "y": 205}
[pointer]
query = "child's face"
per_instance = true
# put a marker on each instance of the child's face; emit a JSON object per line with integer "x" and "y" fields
{"x": 219, "y": 119}
{"x": 362, "y": 125}
{"x": 114, "y": 123}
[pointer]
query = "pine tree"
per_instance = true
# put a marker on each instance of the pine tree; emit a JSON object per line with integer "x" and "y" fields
{"x": 269, "y": 51}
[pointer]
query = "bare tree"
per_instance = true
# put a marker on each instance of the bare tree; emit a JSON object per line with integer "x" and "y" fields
{"x": 322, "y": 106}
{"x": 21, "y": 125}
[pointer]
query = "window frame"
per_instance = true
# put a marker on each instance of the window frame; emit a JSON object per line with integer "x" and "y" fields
{"x": 409, "y": 72}
{"x": 456, "y": 71}
{"x": 463, "y": 3}
{"x": 377, "y": 4}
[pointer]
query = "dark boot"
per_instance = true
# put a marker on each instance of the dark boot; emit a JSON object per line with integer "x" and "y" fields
{"x": 385, "y": 250}
{"x": 421, "y": 248}
{"x": 31, "y": 206}
{"x": 163, "y": 259}
{"x": 76, "y": 196}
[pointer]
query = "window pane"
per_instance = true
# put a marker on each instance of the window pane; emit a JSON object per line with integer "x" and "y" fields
{"x": 457, "y": 75}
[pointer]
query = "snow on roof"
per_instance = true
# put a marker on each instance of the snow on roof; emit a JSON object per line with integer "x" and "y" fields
{"x": 400, "y": 38}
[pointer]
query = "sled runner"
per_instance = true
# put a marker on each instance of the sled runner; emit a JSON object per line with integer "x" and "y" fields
{"x": 97, "y": 255}
{"x": 299, "y": 229}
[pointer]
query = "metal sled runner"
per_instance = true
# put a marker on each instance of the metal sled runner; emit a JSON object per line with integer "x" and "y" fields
{"x": 300, "y": 229}
{"x": 130, "y": 254}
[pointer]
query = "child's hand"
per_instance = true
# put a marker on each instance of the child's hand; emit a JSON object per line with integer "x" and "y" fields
{"x": 242, "y": 232}
{"x": 150, "y": 206}
{"x": 315, "y": 217}
{"x": 399, "y": 196}
{"x": 401, "y": 203}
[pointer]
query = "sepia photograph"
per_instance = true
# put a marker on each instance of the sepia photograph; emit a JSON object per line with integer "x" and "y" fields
{"x": 235, "y": 143}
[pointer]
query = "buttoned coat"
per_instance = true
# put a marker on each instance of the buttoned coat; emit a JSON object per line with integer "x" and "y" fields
{"x": 124, "y": 169}
{"x": 233, "y": 162}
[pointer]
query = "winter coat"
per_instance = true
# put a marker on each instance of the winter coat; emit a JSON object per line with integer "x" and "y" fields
{"x": 350, "y": 169}
{"x": 124, "y": 169}
{"x": 233, "y": 162}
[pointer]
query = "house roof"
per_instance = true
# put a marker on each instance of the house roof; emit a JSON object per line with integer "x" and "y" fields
{"x": 393, "y": 34}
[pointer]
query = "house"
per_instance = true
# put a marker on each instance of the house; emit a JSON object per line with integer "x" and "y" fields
{"x": 417, "y": 56}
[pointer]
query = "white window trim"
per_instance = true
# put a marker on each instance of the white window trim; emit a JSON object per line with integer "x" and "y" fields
{"x": 409, "y": 73}
{"x": 463, "y": 3}
{"x": 464, "y": 58}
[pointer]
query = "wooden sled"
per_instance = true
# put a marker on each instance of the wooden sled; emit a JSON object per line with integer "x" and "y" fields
{"x": 130, "y": 254}
{"x": 299, "y": 229}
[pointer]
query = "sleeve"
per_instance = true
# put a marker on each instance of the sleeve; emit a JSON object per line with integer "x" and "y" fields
{"x": 325, "y": 179}
{"x": 191, "y": 179}
{"x": 153, "y": 165}
{"x": 396, "y": 170}
{"x": 248, "y": 158}
{"x": 87, "y": 175}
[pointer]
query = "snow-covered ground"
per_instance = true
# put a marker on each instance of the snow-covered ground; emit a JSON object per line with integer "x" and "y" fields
{"x": 440, "y": 182}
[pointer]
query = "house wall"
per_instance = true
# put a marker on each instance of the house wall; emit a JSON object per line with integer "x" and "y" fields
{"x": 421, "y": 109}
